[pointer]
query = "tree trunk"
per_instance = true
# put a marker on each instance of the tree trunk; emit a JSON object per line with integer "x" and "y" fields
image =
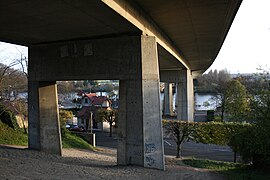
{"x": 234, "y": 159}
{"x": 110, "y": 129}
{"x": 178, "y": 155}
{"x": 222, "y": 114}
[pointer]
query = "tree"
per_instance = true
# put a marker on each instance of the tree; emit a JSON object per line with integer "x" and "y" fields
{"x": 11, "y": 80}
{"x": 181, "y": 131}
{"x": 236, "y": 100}
{"x": 107, "y": 115}
{"x": 64, "y": 115}
{"x": 213, "y": 81}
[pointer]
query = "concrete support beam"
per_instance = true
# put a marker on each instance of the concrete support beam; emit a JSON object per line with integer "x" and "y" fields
{"x": 44, "y": 128}
{"x": 185, "y": 97}
{"x": 168, "y": 100}
{"x": 131, "y": 59}
{"x": 33, "y": 115}
{"x": 140, "y": 128}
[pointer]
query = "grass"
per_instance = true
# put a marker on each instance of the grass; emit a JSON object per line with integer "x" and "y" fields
{"x": 18, "y": 137}
{"x": 70, "y": 140}
{"x": 229, "y": 169}
{"x": 11, "y": 136}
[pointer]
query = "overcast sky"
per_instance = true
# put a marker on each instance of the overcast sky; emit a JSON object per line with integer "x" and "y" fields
{"x": 246, "y": 47}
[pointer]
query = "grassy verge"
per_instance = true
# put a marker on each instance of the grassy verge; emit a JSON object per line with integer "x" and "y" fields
{"x": 11, "y": 136}
{"x": 230, "y": 170}
{"x": 18, "y": 137}
{"x": 73, "y": 141}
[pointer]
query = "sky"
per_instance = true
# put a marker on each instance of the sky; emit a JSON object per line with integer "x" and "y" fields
{"x": 246, "y": 47}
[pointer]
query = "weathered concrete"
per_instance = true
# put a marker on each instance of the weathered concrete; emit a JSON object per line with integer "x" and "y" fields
{"x": 33, "y": 115}
{"x": 168, "y": 99}
{"x": 44, "y": 128}
{"x": 132, "y": 60}
{"x": 185, "y": 97}
{"x": 50, "y": 135}
{"x": 58, "y": 34}
{"x": 140, "y": 130}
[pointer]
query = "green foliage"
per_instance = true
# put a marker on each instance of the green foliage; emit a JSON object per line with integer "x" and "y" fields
{"x": 219, "y": 133}
{"x": 64, "y": 115}
{"x": 6, "y": 116}
{"x": 181, "y": 131}
{"x": 236, "y": 100}
{"x": 70, "y": 140}
{"x": 11, "y": 136}
{"x": 257, "y": 144}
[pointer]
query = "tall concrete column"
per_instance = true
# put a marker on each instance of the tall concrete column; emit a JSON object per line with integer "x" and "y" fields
{"x": 44, "y": 127}
{"x": 168, "y": 99}
{"x": 140, "y": 129}
{"x": 33, "y": 115}
{"x": 185, "y": 97}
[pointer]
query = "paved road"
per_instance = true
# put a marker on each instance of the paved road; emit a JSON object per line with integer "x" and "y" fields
{"x": 197, "y": 150}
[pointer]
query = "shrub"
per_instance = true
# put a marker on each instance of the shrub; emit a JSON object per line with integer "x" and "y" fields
{"x": 181, "y": 131}
{"x": 7, "y": 117}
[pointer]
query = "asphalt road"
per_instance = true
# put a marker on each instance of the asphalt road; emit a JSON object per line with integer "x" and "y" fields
{"x": 189, "y": 149}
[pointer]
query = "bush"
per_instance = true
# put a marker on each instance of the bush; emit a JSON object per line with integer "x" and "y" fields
{"x": 226, "y": 133}
{"x": 180, "y": 131}
{"x": 7, "y": 117}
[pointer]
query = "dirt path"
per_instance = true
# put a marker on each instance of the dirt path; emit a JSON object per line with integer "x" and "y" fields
{"x": 83, "y": 164}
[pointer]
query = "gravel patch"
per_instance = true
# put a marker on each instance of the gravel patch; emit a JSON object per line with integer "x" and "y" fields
{"x": 18, "y": 163}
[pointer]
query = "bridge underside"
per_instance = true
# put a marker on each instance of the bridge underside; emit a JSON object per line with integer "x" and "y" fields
{"x": 139, "y": 42}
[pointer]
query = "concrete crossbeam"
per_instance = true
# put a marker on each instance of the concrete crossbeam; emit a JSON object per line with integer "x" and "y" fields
{"x": 133, "y": 61}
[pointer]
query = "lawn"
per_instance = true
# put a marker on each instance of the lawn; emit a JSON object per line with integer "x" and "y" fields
{"x": 229, "y": 169}
{"x": 11, "y": 136}
{"x": 18, "y": 137}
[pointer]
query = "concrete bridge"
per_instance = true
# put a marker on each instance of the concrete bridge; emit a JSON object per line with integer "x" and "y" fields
{"x": 139, "y": 42}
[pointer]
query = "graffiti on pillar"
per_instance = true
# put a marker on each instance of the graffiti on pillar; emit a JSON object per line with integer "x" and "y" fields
{"x": 88, "y": 50}
{"x": 75, "y": 50}
{"x": 150, "y": 161}
{"x": 64, "y": 51}
{"x": 150, "y": 149}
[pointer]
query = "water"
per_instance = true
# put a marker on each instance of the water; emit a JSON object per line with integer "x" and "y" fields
{"x": 203, "y": 101}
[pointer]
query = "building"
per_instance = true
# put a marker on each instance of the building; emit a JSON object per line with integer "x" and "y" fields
{"x": 90, "y": 104}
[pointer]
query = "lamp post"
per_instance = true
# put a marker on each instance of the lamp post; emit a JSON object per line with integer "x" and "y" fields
{"x": 92, "y": 135}
{"x": 91, "y": 122}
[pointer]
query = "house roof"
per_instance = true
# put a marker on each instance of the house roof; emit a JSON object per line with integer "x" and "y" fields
{"x": 90, "y": 95}
{"x": 97, "y": 100}
{"x": 10, "y": 106}
{"x": 85, "y": 112}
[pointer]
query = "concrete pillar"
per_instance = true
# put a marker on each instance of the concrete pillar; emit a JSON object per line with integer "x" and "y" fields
{"x": 44, "y": 127}
{"x": 185, "y": 97}
{"x": 140, "y": 128}
{"x": 168, "y": 100}
{"x": 33, "y": 115}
